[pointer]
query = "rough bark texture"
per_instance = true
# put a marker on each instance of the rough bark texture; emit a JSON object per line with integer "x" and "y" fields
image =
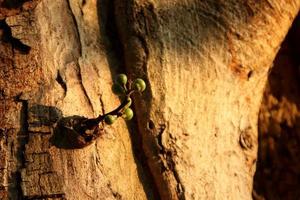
{"x": 66, "y": 70}
{"x": 205, "y": 63}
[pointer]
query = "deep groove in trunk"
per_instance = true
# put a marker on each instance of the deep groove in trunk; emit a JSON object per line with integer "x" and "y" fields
{"x": 22, "y": 138}
{"x": 115, "y": 54}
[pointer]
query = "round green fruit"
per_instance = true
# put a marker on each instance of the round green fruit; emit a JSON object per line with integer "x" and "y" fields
{"x": 110, "y": 119}
{"x": 121, "y": 79}
{"x": 139, "y": 85}
{"x": 127, "y": 114}
{"x": 118, "y": 89}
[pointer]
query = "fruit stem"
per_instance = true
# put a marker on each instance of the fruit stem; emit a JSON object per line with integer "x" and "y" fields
{"x": 94, "y": 122}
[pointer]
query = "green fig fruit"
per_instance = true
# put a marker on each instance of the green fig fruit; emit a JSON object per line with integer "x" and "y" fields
{"x": 127, "y": 114}
{"x": 110, "y": 119}
{"x": 121, "y": 79}
{"x": 139, "y": 85}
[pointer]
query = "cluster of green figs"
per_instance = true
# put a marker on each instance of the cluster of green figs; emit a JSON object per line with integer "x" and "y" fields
{"x": 123, "y": 88}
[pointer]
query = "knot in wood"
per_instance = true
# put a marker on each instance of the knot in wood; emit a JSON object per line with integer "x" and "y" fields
{"x": 246, "y": 140}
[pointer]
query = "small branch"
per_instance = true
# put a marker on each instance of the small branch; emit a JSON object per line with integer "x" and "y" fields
{"x": 90, "y": 124}
{"x": 78, "y": 131}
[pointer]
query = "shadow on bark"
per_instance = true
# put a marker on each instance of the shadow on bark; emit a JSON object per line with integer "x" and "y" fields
{"x": 278, "y": 168}
{"x": 68, "y": 132}
{"x": 114, "y": 51}
{"x": 6, "y": 36}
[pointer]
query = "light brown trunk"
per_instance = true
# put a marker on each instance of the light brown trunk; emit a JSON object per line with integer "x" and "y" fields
{"x": 206, "y": 64}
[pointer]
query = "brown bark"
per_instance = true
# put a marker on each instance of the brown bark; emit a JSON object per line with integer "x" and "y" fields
{"x": 67, "y": 71}
{"x": 205, "y": 63}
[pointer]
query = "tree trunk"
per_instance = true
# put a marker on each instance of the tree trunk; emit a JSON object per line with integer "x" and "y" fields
{"x": 195, "y": 130}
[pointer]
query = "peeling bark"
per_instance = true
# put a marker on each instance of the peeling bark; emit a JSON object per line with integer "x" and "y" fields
{"x": 72, "y": 74}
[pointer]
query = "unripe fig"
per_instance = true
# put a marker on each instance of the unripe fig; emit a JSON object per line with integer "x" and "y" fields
{"x": 127, "y": 114}
{"x": 110, "y": 119}
{"x": 139, "y": 85}
{"x": 121, "y": 79}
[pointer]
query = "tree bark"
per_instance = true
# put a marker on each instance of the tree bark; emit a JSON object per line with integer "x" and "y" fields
{"x": 66, "y": 72}
{"x": 195, "y": 130}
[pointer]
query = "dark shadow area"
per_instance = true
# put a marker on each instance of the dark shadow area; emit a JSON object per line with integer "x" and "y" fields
{"x": 12, "y": 3}
{"x": 15, "y": 190}
{"x": 72, "y": 132}
{"x": 6, "y": 36}
{"x": 41, "y": 115}
{"x": 114, "y": 51}
{"x": 278, "y": 167}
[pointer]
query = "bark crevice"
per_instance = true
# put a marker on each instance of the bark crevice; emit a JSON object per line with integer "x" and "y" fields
{"x": 76, "y": 27}
{"x": 22, "y": 138}
{"x": 117, "y": 55}
{"x": 61, "y": 82}
{"x": 78, "y": 36}
{"x": 138, "y": 26}
{"x": 89, "y": 101}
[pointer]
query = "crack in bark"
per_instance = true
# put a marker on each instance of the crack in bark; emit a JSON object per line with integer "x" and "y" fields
{"x": 146, "y": 51}
{"x": 102, "y": 105}
{"x": 80, "y": 55}
{"x": 115, "y": 194}
{"x": 49, "y": 196}
{"x": 4, "y": 165}
{"x": 161, "y": 130}
{"x": 84, "y": 89}
{"x": 139, "y": 25}
{"x": 115, "y": 53}
{"x": 61, "y": 82}
{"x": 76, "y": 27}
{"x": 179, "y": 188}
{"x": 143, "y": 24}
{"x": 22, "y": 145}
{"x": 167, "y": 155}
